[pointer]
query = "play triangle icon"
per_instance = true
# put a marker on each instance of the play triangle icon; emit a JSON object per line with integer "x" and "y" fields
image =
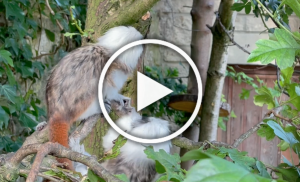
{"x": 149, "y": 91}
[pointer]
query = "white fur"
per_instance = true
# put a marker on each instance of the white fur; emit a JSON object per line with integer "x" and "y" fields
{"x": 94, "y": 108}
{"x": 76, "y": 146}
{"x": 113, "y": 40}
{"x": 132, "y": 151}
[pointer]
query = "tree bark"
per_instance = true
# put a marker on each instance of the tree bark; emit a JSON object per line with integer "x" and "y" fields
{"x": 216, "y": 73}
{"x": 202, "y": 15}
{"x": 101, "y": 16}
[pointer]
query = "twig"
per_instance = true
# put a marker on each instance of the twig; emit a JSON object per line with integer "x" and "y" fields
{"x": 55, "y": 51}
{"x": 75, "y": 22}
{"x": 24, "y": 171}
{"x": 52, "y": 12}
{"x": 244, "y": 136}
{"x": 185, "y": 143}
{"x": 231, "y": 38}
{"x": 66, "y": 173}
{"x": 254, "y": 69}
{"x": 283, "y": 118}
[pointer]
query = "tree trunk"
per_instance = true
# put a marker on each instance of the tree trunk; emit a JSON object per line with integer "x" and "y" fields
{"x": 202, "y": 15}
{"x": 216, "y": 73}
{"x": 101, "y": 16}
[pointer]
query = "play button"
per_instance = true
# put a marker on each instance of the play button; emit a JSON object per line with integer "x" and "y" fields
{"x": 149, "y": 91}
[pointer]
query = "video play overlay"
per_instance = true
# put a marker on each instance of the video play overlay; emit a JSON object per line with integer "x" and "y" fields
{"x": 150, "y": 105}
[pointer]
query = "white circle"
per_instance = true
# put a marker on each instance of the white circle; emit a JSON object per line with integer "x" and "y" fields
{"x": 183, "y": 54}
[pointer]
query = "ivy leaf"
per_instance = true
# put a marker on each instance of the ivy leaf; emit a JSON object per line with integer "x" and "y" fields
{"x": 262, "y": 169}
{"x": 283, "y": 50}
{"x": 286, "y": 136}
{"x": 9, "y": 92}
{"x": 26, "y": 49}
{"x": 264, "y": 96}
{"x": 13, "y": 9}
{"x": 295, "y": 5}
{"x": 245, "y": 94}
{"x": 32, "y": 23}
{"x": 4, "y": 118}
{"x": 21, "y": 28}
{"x": 294, "y": 92}
{"x": 122, "y": 177}
{"x": 5, "y": 56}
{"x": 27, "y": 120}
{"x": 266, "y": 131}
{"x": 10, "y": 75}
{"x": 171, "y": 163}
{"x": 50, "y": 35}
{"x": 10, "y": 42}
{"x": 217, "y": 169}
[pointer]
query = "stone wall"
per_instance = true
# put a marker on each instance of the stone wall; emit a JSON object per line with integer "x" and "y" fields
{"x": 172, "y": 22}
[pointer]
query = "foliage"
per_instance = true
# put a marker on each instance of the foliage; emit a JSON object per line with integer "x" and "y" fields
{"x": 21, "y": 108}
{"x": 169, "y": 79}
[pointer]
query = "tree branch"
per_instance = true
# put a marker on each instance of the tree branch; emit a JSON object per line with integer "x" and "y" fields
{"x": 185, "y": 143}
{"x": 58, "y": 150}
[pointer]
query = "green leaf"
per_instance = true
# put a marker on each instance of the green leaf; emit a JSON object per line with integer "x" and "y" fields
{"x": 295, "y": 5}
{"x": 294, "y": 92}
{"x": 262, "y": 169}
{"x": 170, "y": 162}
{"x": 10, "y": 75}
{"x": 248, "y": 8}
{"x": 21, "y": 29}
{"x": 283, "y": 145}
{"x": 13, "y": 9}
{"x": 5, "y": 56}
{"x": 50, "y": 35}
{"x": 122, "y": 177}
{"x": 266, "y": 131}
{"x": 245, "y": 94}
{"x": 162, "y": 179}
{"x": 194, "y": 155}
{"x": 238, "y": 6}
{"x": 27, "y": 120}
{"x": 264, "y": 97}
{"x": 239, "y": 158}
{"x": 232, "y": 114}
{"x": 115, "y": 151}
{"x": 93, "y": 177}
{"x": 4, "y": 118}
{"x": 286, "y": 75}
{"x": 10, "y": 42}
{"x": 221, "y": 124}
{"x": 286, "y": 136}
{"x": 217, "y": 169}
{"x": 26, "y": 49}
{"x": 9, "y": 92}
{"x": 283, "y": 50}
